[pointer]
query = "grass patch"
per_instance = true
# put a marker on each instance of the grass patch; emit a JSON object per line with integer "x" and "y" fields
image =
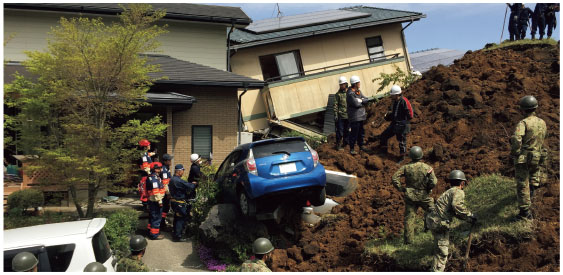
{"x": 491, "y": 197}
{"x": 508, "y": 43}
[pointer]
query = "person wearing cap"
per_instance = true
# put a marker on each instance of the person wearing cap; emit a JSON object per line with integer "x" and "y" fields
{"x": 156, "y": 192}
{"x": 95, "y": 267}
{"x": 181, "y": 191}
{"x": 449, "y": 205}
{"x": 400, "y": 117}
{"x": 165, "y": 175}
{"x": 355, "y": 102}
{"x": 341, "y": 114}
{"x": 25, "y": 262}
{"x": 137, "y": 246}
{"x": 262, "y": 249}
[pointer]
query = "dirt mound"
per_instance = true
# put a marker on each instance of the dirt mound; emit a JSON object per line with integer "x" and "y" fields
{"x": 464, "y": 115}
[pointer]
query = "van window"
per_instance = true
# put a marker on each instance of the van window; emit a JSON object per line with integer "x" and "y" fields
{"x": 102, "y": 251}
{"x": 60, "y": 256}
{"x": 287, "y": 146}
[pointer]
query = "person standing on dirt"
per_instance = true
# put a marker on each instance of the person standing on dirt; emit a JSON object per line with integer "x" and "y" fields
{"x": 355, "y": 102}
{"x": 341, "y": 114}
{"x": 523, "y": 19}
{"x": 156, "y": 192}
{"x": 165, "y": 175}
{"x": 513, "y": 20}
{"x": 526, "y": 148}
{"x": 400, "y": 117}
{"x": 180, "y": 190}
{"x": 262, "y": 249}
{"x": 450, "y": 204}
{"x": 538, "y": 20}
{"x": 550, "y": 18}
{"x": 419, "y": 181}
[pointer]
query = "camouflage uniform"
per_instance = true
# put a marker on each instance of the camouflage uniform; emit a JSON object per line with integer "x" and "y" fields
{"x": 527, "y": 143}
{"x": 451, "y": 203}
{"x": 255, "y": 265}
{"x": 130, "y": 264}
{"x": 419, "y": 181}
{"x": 341, "y": 117}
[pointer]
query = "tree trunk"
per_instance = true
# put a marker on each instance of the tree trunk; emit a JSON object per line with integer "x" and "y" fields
{"x": 75, "y": 200}
{"x": 92, "y": 191}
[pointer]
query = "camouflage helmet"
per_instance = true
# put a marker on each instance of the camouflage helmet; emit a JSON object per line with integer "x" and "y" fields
{"x": 24, "y": 261}
{"x": 137, "y": 243}
{"x": 415, "y": 153}
{"x": 528, "y": 103}
{"x": 457, "y": 175}
{"x": 262, "y": 246}
{"x": 95, "y": 267}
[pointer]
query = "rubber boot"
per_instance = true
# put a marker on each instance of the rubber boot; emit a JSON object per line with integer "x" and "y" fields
{"x": 541, "y": 36}
{"x": 337, "y": 146}
{"x": 533, "y": 37}
{"x": 353, "y": 153}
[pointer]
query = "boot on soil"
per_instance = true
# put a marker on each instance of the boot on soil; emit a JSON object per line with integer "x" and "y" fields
{"x": 533, "y": 37}
{"x": 364, "y": 149}
{"x": 353, "y": 153}
{"x": 541, "y": 36}
{"x": 523, "y": 215}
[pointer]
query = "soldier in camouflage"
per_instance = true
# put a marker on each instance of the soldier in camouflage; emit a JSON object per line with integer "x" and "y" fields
{"x": 527, "y": 143}
{"x": 450, "y": 204}
{"x": 134, "y": 263}
{"x": 341, "y": 115}
{"x": 262, "y": 249}
{"x": 419, "y": 181}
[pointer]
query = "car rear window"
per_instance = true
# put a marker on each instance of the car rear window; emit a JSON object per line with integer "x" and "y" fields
{"x": 101, "y": 247}
{"x": 60, "y": 256}
{"x": 281, "y": 147}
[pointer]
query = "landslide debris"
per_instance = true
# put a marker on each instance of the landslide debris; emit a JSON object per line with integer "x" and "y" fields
{"x": 464, "y": 115}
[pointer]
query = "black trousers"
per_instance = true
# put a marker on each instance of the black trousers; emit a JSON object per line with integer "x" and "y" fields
{"x": 513, "y": 28}
{"x": 399, "y": 130}
{"x": 342, "y": 131}
{"x": 357, "y": 134}
{"x": 538, "y": 23}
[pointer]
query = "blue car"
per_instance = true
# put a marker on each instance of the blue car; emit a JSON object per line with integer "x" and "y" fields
{"x": 261, "y": 175}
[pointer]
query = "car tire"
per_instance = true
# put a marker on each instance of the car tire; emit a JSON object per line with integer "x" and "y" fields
{"x": 319, "y": 197}
{"x": 247, "y": 205}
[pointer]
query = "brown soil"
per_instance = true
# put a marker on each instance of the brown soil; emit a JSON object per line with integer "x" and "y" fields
{"x": 464, "y": 115}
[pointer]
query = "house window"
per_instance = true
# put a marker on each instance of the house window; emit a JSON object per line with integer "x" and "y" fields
{"x": 375, "y": 48}
{"x": 281, "y": 65}
{"x": 202, "y": 140}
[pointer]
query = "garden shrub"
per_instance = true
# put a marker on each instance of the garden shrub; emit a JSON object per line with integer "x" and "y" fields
{"x": 206, "y": 197}
{"x": 26, "y": 198}
{"x": 119, "y": 227}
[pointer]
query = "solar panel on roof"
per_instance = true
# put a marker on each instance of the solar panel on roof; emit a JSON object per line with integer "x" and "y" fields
{"x": 301, "y": 20}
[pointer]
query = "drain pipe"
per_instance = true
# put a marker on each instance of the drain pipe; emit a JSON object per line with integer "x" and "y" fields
{"x": 229, "y": 46}
{"x": 407, "y": 59}
{"x": 245, "y": 84}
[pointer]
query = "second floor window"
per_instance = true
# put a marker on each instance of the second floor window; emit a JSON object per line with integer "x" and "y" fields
{"x": 375, "y": 48}
{"x": 281, "y": 66}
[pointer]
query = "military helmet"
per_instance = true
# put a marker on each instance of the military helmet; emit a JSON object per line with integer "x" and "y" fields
{"x": 137, "y": 243}
{"x": 528, "y": 103}
{"x": 95, "y": 267}
{"x": 457, "y": 175}
{"x": 415, "y": 153}
{"x": 262, "y": 246}
{"x": 24, "y": 261}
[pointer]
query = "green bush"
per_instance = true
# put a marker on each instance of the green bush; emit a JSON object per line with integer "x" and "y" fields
{"x": 14, "y": 219}
{"x": 206, "y": 197}
{"x": 26, "y": 198}
{"x": 399, "y": 77}
{"x": 120, "y": 225}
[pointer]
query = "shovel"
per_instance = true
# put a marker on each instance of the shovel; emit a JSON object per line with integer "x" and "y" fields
{"x": 469, "y": 239}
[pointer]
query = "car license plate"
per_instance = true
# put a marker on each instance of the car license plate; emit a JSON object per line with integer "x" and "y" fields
{"x": 287, "y": 168}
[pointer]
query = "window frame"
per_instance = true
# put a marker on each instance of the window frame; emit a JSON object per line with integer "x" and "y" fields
{"x": 367, "y": 48}
{"x": 298, "y": 62}
{"x": 210, "y": 138}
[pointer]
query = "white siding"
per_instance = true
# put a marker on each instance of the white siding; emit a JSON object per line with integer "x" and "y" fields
{"x": 200, "y": 43}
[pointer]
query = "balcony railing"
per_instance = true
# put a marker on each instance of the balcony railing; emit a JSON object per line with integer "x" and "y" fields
{"x": 332, "y": 68}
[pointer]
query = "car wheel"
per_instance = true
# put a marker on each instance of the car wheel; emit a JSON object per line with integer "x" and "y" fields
{"x": 319, "y": 197}
{"x": 247, "y": 205}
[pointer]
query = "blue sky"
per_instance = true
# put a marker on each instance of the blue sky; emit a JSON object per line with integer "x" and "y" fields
{"x": 448, "y": 25}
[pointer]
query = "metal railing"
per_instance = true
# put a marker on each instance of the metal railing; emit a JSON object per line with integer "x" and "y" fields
{"x": 331, "y": 68}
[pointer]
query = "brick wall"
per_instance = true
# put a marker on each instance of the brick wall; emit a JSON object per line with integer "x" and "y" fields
{"x": 215, "y": 106}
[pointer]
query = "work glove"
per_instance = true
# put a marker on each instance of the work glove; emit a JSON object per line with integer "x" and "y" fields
{"x": 365, "y": 101}
{"x": 151, "y": 154}
{"x": 148, "y": 170}
{"x": 473, "y": 219}
{"x": 359, "y": 100}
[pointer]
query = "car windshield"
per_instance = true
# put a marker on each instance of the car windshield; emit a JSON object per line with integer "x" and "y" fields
{"x": 281, "y": 147}
{"x": 101, "y": 247}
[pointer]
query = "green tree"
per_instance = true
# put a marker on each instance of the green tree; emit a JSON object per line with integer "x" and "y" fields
{"x": 91, "y": 75}
{"x": 399, "y": 77}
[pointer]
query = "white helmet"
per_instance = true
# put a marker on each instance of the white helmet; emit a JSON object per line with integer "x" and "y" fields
{"x": 342, "y": 80}
{"x": 354, "y": 79}
{"x": 194, "y": 157}
{"x": 395, "y": 90}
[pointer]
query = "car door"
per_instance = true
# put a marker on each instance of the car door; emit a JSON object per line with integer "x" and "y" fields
{"x": 223, "y": 178}
{"x": 40, "y": 253}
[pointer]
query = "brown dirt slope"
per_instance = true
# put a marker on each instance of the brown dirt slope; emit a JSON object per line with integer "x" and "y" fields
{"x": 464, "y": 115}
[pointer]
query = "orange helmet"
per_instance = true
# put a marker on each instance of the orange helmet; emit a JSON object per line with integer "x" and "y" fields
{"x": 144, "y": 143}
{"x": 155, "y": 165}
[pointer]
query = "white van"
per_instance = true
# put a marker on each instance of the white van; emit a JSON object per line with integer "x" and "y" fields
{"x": 60, "y": 247}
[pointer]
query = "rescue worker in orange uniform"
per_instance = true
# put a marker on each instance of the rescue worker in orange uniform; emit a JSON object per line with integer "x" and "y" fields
{"x": 156, "y": 192}
{"x": 144, "y": 165}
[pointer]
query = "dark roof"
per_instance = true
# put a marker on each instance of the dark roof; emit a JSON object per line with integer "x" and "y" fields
{"x": 179, "y": 71}
{"x": 243, "y": 38}
{"x": 424, "y": 60}
{"x": 189, "y": 12}
{"x": 170, "y": 97}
